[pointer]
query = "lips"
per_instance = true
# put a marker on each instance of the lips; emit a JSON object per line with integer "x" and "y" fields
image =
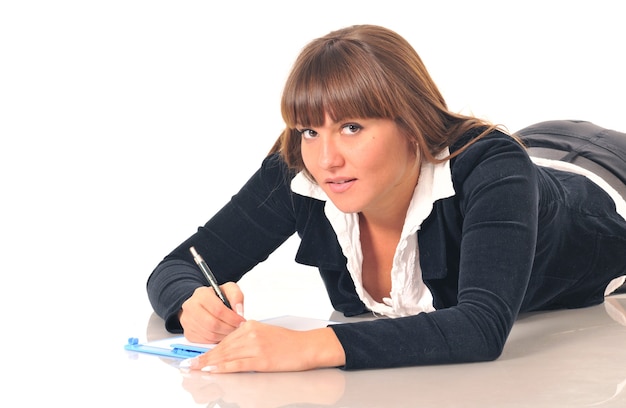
{"x": 340, "y": 185}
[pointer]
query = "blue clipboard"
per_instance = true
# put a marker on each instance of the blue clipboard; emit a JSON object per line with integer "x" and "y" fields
{"x": 174, "y": 348}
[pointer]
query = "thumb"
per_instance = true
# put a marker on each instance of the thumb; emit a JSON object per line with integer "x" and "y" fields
{"x": 233, "y": 293}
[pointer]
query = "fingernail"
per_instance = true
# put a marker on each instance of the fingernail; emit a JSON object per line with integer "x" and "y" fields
{"x": 188, "y": 363}
{"x": 208, "y": 369}
{"x": 239, "y": 309}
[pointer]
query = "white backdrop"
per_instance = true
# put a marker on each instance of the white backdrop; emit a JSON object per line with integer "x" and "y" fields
{"x": 126, "y": 124}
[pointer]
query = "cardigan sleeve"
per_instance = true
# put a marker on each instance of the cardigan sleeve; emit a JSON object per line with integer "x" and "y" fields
{"x": 256, "y": 221}
{"x": 496, "y": 201}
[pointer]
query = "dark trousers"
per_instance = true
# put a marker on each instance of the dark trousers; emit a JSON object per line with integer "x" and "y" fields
{"x": 599, "y": 150}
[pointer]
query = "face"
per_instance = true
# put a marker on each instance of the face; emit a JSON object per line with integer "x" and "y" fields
{"x": 363, "y": 165}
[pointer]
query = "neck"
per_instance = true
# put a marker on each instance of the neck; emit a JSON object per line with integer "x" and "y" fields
{"x": 389, "y": 221}
{"x": 393, "y": 215}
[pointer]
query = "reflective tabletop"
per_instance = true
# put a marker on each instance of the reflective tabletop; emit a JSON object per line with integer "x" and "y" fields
{"x": 565, "y": 358}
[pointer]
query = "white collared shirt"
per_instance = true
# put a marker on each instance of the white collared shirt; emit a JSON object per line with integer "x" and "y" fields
{"x": 409, "y": 295}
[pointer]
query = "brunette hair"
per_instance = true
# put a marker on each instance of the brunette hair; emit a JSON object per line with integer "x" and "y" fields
{"x": 368, "y": 71}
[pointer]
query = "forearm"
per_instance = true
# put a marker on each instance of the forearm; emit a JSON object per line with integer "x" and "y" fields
{"x": 170, "y": 284}
{"x": 455, "y": 335}
{"x": 324, "y": 348}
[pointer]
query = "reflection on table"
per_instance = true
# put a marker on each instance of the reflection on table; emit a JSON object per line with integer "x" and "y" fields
{"x": 566, "y": 358}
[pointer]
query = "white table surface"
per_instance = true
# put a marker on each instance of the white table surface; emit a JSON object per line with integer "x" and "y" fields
{"x": 568, "y": 358}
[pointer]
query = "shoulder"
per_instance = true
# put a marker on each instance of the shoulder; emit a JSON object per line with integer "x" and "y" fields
{"x": 473, "y": 142}
{"x": 269, "y": 185}
{"x": 491, "y": 158}
{"x": 475, "y": 149}
{"x": 273, "y": 173}
{"x": 275, "y": 163}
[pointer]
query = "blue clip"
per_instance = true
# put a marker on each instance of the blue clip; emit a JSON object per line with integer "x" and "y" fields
{"x": 174, "y": 350}
{"x": 187, "y": 350}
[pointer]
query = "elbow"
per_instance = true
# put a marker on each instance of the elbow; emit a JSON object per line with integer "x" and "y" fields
{"x": 493, "y": 353}
{"x": 485, "y": 354}
{"x": 490, "y": 351}
{"x": 481, "y": 348}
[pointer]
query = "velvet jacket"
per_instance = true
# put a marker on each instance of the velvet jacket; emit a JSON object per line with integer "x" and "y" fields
{"x": 515, "y": 237}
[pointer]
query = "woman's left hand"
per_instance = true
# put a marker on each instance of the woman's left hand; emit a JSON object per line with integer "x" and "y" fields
{"x": 256, "y": 346}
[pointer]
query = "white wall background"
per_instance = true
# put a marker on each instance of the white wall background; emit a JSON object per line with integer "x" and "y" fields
{"x": 125, "y": 124}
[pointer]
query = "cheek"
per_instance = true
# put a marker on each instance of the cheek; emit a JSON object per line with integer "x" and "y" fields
{"x": 305, "y": 154}
{"x": 308, "y": 154}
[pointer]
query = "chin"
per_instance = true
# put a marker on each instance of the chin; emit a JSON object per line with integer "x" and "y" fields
{"x": 347, "y": 208}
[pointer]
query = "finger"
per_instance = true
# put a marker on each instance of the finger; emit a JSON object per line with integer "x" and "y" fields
{"x": 232, "y": 347}
{"x": 233, "y": 293}
{"x": 233, "y": 318}
{"x": 246, "y": 349}
{"x": 234, "y": 366}
{"x": 216, "y": 308}
{"x": 205, "y": 319}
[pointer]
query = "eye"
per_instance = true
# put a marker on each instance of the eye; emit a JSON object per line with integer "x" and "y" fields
{"x": 308, "y": 133}
{"x": 351, "y": 129}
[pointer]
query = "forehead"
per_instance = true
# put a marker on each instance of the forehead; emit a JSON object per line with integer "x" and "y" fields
{"x": 328, "y": 120}
{"x": 338, "y": 85}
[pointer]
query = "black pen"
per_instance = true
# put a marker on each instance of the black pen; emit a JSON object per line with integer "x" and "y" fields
{"x": 209, "y": 276}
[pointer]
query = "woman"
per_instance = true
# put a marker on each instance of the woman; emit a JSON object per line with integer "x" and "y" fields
{"x": 438, "y": 222}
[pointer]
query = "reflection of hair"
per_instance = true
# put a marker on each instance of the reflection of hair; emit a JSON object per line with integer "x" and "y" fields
{"x": 367, "y": 71}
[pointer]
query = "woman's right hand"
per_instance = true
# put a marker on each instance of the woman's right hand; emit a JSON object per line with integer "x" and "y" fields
{"x": 205, "y": 318}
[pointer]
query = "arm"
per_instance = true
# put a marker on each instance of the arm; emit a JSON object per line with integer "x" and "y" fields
{"x": 256, "y": 346}
{"x": 256, "y": 221}
{"x": 496, "y": 203}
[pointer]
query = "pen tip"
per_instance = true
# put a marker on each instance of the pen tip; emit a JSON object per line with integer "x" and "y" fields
{"x": 193, "y": 251}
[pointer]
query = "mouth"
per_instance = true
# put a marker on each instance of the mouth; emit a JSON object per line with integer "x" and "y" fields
{"x": 340, "y": 185}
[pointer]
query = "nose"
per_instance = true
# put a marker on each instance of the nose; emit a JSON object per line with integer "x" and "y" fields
{"x": 330, "y": 155}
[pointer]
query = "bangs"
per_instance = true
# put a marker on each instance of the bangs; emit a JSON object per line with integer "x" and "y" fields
{"x": 338, "y": 78}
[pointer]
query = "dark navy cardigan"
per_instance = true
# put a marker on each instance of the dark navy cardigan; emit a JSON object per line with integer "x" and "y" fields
{"x": 515, "y": 237}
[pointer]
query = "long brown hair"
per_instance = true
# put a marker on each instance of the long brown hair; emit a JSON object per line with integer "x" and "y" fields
{"x": 368, "y": 71}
